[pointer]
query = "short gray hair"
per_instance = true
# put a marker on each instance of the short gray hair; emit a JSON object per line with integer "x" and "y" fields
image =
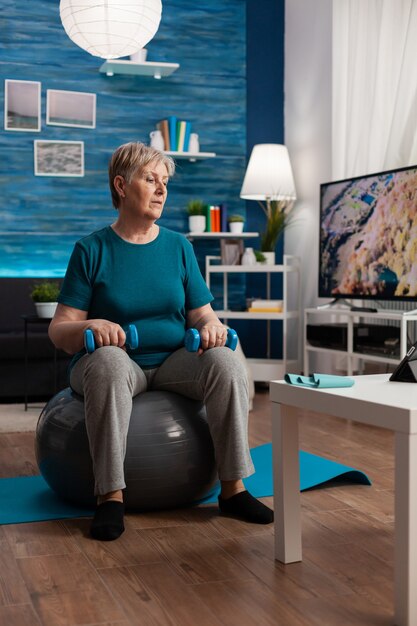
{"x": 131, "y": 158}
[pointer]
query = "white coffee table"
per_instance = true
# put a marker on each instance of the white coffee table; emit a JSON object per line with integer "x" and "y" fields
{"x": 372, "y": 400}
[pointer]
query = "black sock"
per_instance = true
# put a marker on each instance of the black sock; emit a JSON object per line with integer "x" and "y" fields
{"x": 107, "y": 523}
{"x": 246, "y": 507}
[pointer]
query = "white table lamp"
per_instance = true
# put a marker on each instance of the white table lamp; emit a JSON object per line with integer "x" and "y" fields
{"x": 269, "y": 174}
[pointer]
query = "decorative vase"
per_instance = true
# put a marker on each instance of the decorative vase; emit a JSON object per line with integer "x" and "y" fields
{"x": 236, "y": 227}
{"x": 157, "y": 141}
{"x": 46, "y": 309}
{"x": 269, "y": 257}
{"x": 139, "y": 56}
{"x": 248, "y": 257}
{"x": 197, "y": 223}
{"x": 194, "y": 144}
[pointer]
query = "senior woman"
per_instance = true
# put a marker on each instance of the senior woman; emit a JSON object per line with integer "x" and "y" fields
{"x": 137, "y": 272}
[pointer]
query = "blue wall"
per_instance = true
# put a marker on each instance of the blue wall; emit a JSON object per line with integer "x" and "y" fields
{"x": 265, "y": 124}
{"x": 229, "y": 85}
{"x": 41, "y": 217}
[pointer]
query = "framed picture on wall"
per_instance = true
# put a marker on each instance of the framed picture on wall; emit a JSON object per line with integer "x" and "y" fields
{"x": 22, "y": 105}
{"x": 58, "y": 158}
{"x": 70, "y": 108}
{"x": 231, "y": 251}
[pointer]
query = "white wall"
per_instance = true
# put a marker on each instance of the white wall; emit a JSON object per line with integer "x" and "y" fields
{"x": 308, "y": 124}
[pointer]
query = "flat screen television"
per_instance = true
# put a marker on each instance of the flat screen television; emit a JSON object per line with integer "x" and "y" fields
{"x": 368, "y": 236}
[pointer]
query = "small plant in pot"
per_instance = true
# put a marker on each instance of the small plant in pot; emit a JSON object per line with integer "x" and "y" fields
{"x": 236, "y": 223}
{"x": 45, "y": 296}
{"x": 196, "y": 216}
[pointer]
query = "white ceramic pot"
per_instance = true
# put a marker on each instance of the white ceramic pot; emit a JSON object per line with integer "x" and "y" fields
{"x": 236, "y": 227}
{"x": 269, "y": 257}
{"x": 194, "y": 144}
{"x": 139, "y": 56}
{"x": 46, "y": 309}
{"x": 248, "y": 257}
{"x": 157, "y": 141}
{"x": 197, "y": 223}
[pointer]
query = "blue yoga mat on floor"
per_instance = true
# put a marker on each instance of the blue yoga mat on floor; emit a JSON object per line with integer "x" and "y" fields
{"x": 29, "y": 498}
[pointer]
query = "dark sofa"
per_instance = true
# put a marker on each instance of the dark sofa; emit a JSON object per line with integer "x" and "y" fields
{"x": 15, "y": 301}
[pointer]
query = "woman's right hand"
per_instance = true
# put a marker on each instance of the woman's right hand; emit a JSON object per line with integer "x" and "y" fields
{"x": 107, "y": 333}
{"x": 68, "y": 325}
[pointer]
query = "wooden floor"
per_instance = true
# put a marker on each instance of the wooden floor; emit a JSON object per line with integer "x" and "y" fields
{"x": 191, "y": 567}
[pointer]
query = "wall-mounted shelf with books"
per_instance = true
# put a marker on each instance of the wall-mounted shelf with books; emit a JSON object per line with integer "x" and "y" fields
{"x": 147, "y": 68}
{"x": 191, "y": 156}
{"x": 226, "y": 235}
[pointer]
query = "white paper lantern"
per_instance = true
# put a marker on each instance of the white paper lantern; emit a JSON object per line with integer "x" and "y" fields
{"x": 110, "y": 29}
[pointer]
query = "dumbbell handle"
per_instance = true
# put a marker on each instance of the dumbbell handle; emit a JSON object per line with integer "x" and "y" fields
{"x": 132, "y": 339}
{"x": 192, "y": 339}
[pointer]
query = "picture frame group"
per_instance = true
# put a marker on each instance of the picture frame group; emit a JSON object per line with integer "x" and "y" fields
{"x": 22, "y": 112}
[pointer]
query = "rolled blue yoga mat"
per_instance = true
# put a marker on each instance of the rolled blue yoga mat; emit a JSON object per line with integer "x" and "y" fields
{"x": 29, "y": 498}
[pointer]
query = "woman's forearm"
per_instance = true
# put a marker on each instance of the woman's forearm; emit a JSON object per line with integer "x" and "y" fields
{"x": 198, "y": 320}
{"x": 68, "y": 336}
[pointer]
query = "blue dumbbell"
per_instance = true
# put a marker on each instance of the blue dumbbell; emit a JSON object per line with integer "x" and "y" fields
{"x": 192, "y": 339}
{"x": 132, "y": 339}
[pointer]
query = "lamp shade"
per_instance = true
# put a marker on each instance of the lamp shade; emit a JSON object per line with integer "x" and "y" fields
{"x": 110, "y": 29}
{"x": 269, "y": 174}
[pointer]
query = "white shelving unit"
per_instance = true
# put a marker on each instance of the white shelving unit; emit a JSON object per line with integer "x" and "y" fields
{"x": 147, "y": 68}
{"x": 190, "y": 156}
{"x": 264, "y": 369}
{"x": 344, "y": 316}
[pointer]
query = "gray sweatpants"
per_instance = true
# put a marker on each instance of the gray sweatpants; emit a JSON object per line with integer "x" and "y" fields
{"x": 109, "y": 379}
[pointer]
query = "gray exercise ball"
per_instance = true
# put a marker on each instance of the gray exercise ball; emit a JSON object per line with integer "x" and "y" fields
{"x": 169, "y": 458}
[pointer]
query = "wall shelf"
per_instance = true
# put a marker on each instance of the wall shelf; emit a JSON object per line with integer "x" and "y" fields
{"x": 148, "y": 68}
{"x": 226, "y": 235}
{"x": 191, "y": 156}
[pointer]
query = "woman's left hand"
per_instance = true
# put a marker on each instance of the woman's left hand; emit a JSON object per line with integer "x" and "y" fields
{"x": 212, "y": 335}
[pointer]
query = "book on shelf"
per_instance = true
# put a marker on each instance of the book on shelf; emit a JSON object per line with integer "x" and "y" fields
{"x": 164, "y": 128}
{"x": 172, "y": 124}
{"x": 181, "y": 125}
{"x": 223, "y": 218}
{"x": 215, "y": 218}
{"x": 207, "y": 212}
{"x": 187, "y": 136}
{"x": 265, "y": 306}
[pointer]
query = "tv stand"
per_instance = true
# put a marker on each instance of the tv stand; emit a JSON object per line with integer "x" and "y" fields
{"x": 348, "y": 317}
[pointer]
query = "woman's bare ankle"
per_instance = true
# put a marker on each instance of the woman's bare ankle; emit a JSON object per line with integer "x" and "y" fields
{"x": 231, "y": 488}
{"x": 116, "y": 496}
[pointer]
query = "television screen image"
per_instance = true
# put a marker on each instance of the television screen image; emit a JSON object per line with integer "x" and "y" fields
{"x": 368, "y": 236}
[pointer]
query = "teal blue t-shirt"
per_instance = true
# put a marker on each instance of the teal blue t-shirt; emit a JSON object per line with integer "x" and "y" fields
{"x": 151, "y": 285}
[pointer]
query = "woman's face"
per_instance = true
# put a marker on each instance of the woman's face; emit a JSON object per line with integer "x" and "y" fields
{"x": 145, "y": 195}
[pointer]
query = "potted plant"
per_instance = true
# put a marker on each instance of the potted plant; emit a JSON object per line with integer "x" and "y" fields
{"x": 277, "y": 219}
{"x": 196, "y": 216}
{"x": 260, "y": 257}
{"x": 45, "y": 296}
{"x": 236, "y": 223}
